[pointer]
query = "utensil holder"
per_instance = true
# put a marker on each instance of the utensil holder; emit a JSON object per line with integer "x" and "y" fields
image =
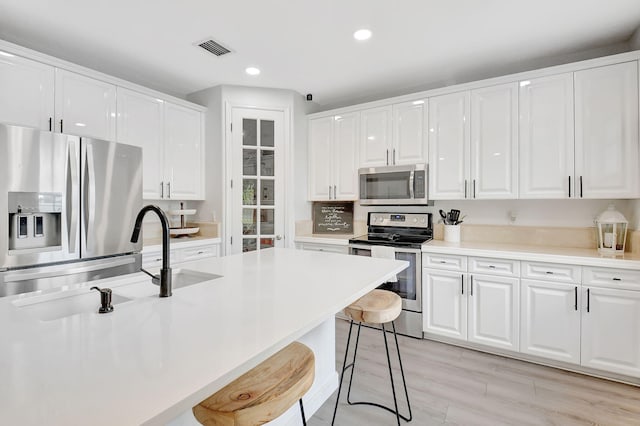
{"x": 452, "y": 233}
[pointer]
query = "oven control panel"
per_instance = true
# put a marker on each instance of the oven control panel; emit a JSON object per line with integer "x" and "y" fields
{"x": 413, "y": 220}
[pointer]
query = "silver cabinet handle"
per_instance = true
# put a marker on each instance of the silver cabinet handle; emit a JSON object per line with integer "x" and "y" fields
{"x": 169, "y": 192}
{"x": 387, "y": 157}
{"x": 394, "y": 156}
{"x": 474, "y": 188}
{"x": 161, "y": 189}
{"x": 465, "y": 188}
{"x": 471, "y": 279}
{"x": 329, "y": 191}
{"x": 335, "y": 192}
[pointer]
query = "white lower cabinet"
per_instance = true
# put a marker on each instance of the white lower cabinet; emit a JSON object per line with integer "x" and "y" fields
{"x": 445, "y": 303}
{"x": 611, "y": 330}
{"x": 494, "y": 311}
{"x": 550, "y": 320}
{"x": 586, "y": 316}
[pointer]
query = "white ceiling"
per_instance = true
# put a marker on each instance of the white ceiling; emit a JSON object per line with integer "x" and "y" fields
{"x": 307, "y": 45}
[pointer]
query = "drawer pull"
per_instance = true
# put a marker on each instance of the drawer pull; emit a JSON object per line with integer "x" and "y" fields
{"x": 159, "y": 259}
{"x": 617, "y": 279}
{"x": 550, "y": 272}
{"x": 443, "y": 261}
{"x": 200, "y": 252}
{"x": 492, "y": 267}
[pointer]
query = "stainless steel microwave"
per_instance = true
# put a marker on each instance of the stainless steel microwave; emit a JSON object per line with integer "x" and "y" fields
{"x": 393, "y": 185}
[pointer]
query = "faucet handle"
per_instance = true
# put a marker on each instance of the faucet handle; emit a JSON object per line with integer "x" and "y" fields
{"x": 105, "y": 300}
{"x": 155, "y": 279}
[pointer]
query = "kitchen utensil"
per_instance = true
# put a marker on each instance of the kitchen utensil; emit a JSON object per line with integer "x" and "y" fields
{"x": 443, "y": 215}
{"x": 455, "y": 214}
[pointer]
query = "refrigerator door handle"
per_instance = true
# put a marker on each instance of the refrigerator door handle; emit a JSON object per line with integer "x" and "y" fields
{"x": 72, "y": 196}
{"x": 89, "y": 183}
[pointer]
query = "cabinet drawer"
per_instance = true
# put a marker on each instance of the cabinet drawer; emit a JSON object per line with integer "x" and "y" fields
{"x": 154, "y": 259}
{"x": 608, "y": 277}
{"x": 444, "y": 261}
{"x": 551, "y": 272}
{"x": 486, "y": 265}
{"x": 199, "y": 252}
{"x": 326, "y": 248}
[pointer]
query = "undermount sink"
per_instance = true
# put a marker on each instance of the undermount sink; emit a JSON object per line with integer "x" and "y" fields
{"x": 64, "y": 304}
{"x": 186, "y": 277}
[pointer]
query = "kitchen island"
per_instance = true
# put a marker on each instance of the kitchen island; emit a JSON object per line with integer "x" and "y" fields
{"x": 152, "y": 359}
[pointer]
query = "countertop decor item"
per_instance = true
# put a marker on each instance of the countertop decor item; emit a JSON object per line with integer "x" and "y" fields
{"x": 183, "y": 230}
{"x": 611, "y": 228}
{"x": 452, "y": 221}
{"x": 333, "y": 217}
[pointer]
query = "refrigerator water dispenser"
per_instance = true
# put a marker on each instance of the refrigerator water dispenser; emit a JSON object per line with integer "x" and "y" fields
{"x": 35, "y": 220}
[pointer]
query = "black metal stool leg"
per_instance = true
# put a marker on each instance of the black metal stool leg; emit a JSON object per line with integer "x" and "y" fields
{"x": 353, "y": 364}
{"x": 404, "y": 383}
{"x": 304, "y": 419}
{"x": 344, "y": 368}
{"x": 393, "y": 387}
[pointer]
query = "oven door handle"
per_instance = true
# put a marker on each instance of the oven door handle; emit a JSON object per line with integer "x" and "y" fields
{"x": 396, "y": 249}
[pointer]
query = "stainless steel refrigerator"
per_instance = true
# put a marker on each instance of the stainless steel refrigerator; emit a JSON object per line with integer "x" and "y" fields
{"x": 68, "y": 205}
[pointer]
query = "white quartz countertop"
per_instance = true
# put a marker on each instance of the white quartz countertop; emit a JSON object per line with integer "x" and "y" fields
{"x": 575, "y": 256}
{"x": 152, "y": 359}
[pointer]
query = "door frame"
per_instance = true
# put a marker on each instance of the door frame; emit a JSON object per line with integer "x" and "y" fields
{"x": 227, "y": 166}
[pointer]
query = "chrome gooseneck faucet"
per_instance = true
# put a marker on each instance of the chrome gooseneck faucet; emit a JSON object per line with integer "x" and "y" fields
{"x": 165, "y": 273}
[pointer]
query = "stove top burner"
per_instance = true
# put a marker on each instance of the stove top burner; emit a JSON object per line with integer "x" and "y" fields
{"x": 396, "y": 230}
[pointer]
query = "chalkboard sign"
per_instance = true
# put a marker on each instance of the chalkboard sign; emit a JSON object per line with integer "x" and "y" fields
{"x": 333, "y": 217}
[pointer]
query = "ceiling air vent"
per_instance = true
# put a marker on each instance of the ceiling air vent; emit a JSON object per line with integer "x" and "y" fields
{"x": 213, "y": 47}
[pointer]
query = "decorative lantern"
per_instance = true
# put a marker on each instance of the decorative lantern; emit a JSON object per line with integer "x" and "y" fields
{"x": 612, "y": 232}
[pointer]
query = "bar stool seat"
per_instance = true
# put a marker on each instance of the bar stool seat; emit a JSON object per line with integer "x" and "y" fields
{"x": 378, "y": 307}
{"x": 264, "y": 392}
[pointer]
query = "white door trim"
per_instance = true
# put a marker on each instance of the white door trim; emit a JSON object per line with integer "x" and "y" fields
{"x": 227, "y": 166}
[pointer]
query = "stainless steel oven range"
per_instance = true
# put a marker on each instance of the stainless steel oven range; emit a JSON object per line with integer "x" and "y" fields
{"x": 404, "y": 233}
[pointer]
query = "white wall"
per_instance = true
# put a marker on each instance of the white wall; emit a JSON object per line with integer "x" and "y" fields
{"x": 216, "y": 99}
{"x": 569, "y": 213}
{"x": 634, "y": 41}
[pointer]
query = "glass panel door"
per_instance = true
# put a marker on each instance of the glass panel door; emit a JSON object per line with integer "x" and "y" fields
{"x": 259, "y": 202}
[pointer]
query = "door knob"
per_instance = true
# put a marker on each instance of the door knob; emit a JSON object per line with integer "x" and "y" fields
{"x": 278, "y": 237}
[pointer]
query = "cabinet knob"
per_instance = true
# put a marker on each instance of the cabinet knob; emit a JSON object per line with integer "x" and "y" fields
{"x": 278, "y": 237}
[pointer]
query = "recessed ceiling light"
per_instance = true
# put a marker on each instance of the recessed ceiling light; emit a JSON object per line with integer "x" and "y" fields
{"x": 362, "y": 34}
{"x": 252, "y": 71}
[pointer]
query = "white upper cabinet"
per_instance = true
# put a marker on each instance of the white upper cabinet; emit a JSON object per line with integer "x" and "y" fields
{"x": 494, "y": 311}
{"x": 546, "y": 137}
{"x": 345, "y": 157}
{"x": 85, "y": 106}
{"x": 375, "y": 137}
{"x": 494, "y": 142}
{"x": 550, "y": 320}
{"x": 333, "y": 157}
{"x": 320, "y": 146}
{"x": 409, "y": 137}
{"x": 449, "y": 149}
{"x": 140, "y": 123}
{"x": 184, "y": 153}
{"x": 611, "y": 330}
{"x": 26, "y": 89}
{"x": 606, "y": 127}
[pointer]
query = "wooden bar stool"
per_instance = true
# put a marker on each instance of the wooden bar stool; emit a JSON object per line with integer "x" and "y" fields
{"x": 378, "y": 307}
{"x": 262, "y": 393}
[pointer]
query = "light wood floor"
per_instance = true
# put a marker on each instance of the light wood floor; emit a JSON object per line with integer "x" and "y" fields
{"x": 452, "y": 385}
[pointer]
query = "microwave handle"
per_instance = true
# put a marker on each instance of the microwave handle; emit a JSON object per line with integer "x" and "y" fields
{"x": 411, "y": 184}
